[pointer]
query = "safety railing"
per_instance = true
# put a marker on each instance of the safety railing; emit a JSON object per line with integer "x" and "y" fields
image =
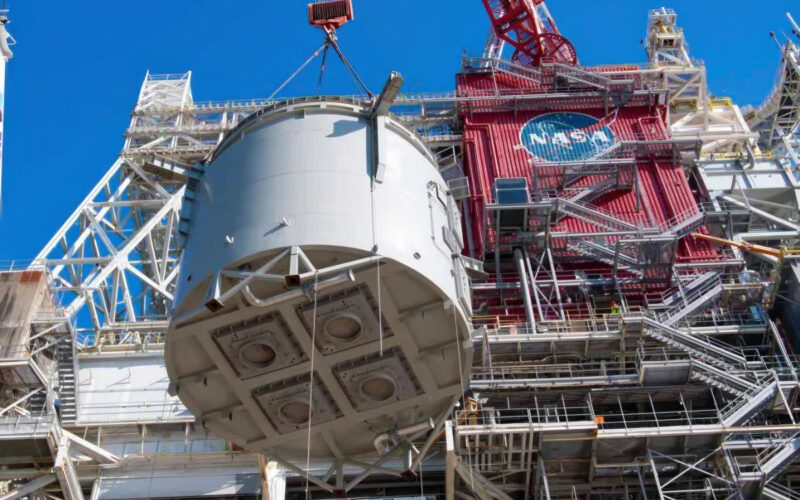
{"x": 14, "y": 352}
{"x": 658, "y": 354}
{"x": 605, "y": 323}
{"x": 121, "y": 338}
{"x": 247, "y": 104}
{"x": 542, "y": 373}
{"x": 538, "y": 414}
{"x": 690, "y": 219}
{"x": 771, "y": 103}
{"x": 166, "y": 76}
{"x": 583, "y": 77}
{"x": 656, "y": 420}
{"x": 694, "y": 299}
{"x": 502, "y": 65}
{"x": 576, "y": 208}
{"x": 34, "y": 425}
{"x": 777, "y": 449}
{"x": 610, "y": 418}
{"x": 15, "y": 264}
{"x": 772, "y": 459}
{"x": 751, "y": 399}
{"x": 584, "y": 273}
{"x": 778, "y": 491}
{"x": 785, "y": 369}
{"x": 154, "y": 410}
{"x": 548, "y": 74}
{"x": 707, "y": 348}
{"x": 720, "y": 318}
{"x": 605, "y": 418}
{"x": 662, "y": 300}
{"x": 608, "y": 323}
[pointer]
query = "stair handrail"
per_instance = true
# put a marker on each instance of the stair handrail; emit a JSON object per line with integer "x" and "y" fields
{"x": 782, "y": 492}
{"x": 504, "y": 66}
{"x": 668, "y": 297}
{"x": 744, "y": 383}
{"x": 769, "y": 453}
{"x": 507, "y": 372}
{"x": 712, "y": 347}
{"x": 691, "y": 299}
{"x": 760, "y": 385}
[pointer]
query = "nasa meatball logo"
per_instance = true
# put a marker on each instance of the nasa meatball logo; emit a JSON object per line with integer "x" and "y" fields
{"x": 558, "y": 137}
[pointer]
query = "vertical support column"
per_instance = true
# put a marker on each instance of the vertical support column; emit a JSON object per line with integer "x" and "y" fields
{"x": 451, "y": 461}
{"x": 549, "y": 252}
{"x": 275, "y": 482}
{"x": 532, "y": 279}
{"x": 641, "y": 483}
{"x": 5, "y": 55}
{"x": 545, "y": 483}
{"x": 655, "y": 474}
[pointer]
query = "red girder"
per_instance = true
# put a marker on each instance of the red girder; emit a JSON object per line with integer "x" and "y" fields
{"x": 532, "y": 33}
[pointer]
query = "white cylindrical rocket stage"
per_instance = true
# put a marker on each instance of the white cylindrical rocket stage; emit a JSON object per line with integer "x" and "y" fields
{"x": 319, "y": 206}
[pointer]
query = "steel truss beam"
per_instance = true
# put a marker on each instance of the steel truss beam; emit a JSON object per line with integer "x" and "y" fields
{"x": 117, "y": 253}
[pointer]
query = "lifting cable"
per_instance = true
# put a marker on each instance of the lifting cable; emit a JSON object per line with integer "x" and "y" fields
{"x": 461, "y": 379}
{"x": 322, "y": 68}
{"x": 351, "y": 71}
{"x": 298, "y": 70}
{"x": 311, "y": 380}
{"x": 330, "y": 42}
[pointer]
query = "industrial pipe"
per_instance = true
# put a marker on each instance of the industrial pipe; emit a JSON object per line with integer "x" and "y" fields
{"x": 526, "y": 292}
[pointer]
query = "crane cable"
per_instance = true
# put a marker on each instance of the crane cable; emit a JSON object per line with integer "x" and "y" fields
{"x": 351, "y": 71}
{"x": 322, "y": 68}
{"x": 330, "y": 41}
{"x": 297, "y": 71}
{"x": 313, "y": 349}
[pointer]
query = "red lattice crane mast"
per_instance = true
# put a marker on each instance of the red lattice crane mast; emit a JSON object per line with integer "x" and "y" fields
{"x": 528, "y": 27}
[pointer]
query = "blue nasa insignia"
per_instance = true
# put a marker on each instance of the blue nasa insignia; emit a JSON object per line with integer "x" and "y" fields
{"x": 558, "y": 137}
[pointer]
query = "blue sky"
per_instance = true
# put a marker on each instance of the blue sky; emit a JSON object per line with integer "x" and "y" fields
{"x": 78, "y": 66}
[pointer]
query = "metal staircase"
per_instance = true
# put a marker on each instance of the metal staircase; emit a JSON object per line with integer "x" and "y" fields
{"x": 758, "y": 397}
{"x": 753, "y": 391}
{"x": 779, "y": 114}
{"x": 67, "y": 390}
{"x": 37, "y": 404}
{"x": 595, "y": 191}
{"x": 592, "y": 215}
{"x": 683, "y": 224}
{"x": 702, "y": 348}
{"x": 562, "y": 75}
{"x": 667, "y": 300}
{"x": 693, "y": 300}
{"x": 780, "y": 457}
{"x": 779, "y": 492}
{"x": 600, "y": 252}
{"x": 720, "y": 379}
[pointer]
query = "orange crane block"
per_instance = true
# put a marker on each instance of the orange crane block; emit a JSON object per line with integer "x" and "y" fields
{"x": 331, "y": 14}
